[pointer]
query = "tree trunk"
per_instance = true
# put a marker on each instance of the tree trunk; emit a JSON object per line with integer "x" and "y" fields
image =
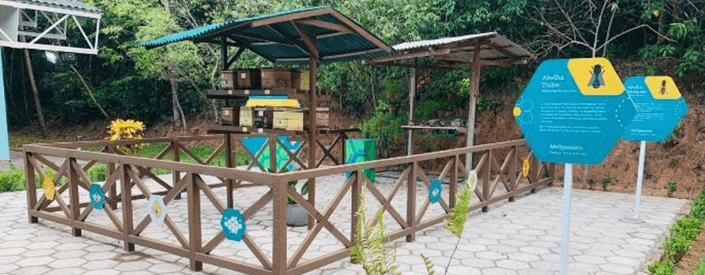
{"x": 90, "y": 93}
{"x": 35, "y": 92}
{"x": 662, "y": 22}
{"x": 175, "y": 96}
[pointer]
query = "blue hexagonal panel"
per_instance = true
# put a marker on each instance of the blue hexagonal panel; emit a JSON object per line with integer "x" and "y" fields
{"x": 435, "y": 191}
{"x": 97, "y": 196}
{"x": 659, "y": 108}
{"x": 233, "y": 224}
{"x": 574, "y": 110}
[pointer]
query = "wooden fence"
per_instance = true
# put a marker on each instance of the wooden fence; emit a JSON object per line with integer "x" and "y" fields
{"x": 130, "y": 174}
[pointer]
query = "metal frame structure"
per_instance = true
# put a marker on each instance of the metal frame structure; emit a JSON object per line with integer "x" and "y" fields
{"x": 128, "y": 173}
{"x": 47, "y": 25}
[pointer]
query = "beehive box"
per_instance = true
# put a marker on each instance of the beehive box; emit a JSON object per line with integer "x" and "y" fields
{"x": 227, "y": 80}
{"x": 263, "y": 117}
{"x": 246, "y": 117}
{"x": 230, "y": 115}
{"x": 249, "y": 79}
{"x": 276, "y": 78}
{"x": 322, "y": 117}
{"x": 290, "y": 119}
{"x": 300, "y": 80}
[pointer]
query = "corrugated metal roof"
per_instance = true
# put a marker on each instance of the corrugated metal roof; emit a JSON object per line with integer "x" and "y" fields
{"x": 72, "y": 4}
{"x": 515, "y": 51}
{"x": 332, "y": 45}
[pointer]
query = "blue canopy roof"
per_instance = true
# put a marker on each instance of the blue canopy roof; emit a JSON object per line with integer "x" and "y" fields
{"x": 280, "y": 37}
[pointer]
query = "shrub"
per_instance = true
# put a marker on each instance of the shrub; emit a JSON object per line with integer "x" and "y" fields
{"x": 682, "y": 235}
{"x": 606, "y": 181}
{"x": 12, "y": 180}
{"x": 99, "y": 172}
{"x": 672, "y": 187}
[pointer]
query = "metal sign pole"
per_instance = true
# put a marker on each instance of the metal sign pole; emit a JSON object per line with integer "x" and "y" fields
{"x": 639, "y": 178}
{"x": 4, "y": 140}
{"x": 565, "y": 231}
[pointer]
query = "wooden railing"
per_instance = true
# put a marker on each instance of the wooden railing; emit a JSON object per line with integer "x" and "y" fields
{"x": 498, "y": 182}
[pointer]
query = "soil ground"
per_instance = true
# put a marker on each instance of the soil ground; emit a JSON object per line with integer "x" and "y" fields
{"x": 689, "y": 263}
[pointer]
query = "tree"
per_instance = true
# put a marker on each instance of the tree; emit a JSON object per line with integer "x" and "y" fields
{"x": 582, "y": 23}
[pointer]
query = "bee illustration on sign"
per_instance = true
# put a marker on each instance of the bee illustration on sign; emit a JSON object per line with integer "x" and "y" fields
{"x": 596, "y": 81}
{"x": 663, "y": 89}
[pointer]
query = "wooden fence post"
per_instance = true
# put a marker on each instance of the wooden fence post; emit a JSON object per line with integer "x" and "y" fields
{"x": 176, "y": 175}
{"x": 126, "y": 207}
{"x": 113, "y": 190}
{"x": 513, "y": 166}
{"x": 486, "y": 177}
{"x": 453, "y": 186}
{"x": 279, "y": 246}
{"x": 355, "y": 203}
{"x": 193, "y": 198}
{"x": 31, "y": 187}
{"x": 74, "y": 199}
{"x": 230, "y": 164}
{"x": 411, "y": 202}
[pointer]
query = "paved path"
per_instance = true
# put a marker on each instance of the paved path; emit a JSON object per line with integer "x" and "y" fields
{"x": 521, "y": 237}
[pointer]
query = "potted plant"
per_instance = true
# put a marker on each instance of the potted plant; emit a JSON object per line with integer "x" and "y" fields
{"x": 295, "y": 214}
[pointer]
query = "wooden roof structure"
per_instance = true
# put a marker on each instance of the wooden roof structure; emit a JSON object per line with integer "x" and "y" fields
{"x": 474, "y": 51}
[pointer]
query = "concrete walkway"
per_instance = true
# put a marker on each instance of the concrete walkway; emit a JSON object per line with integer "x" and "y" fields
{"x": 521, "y": 237}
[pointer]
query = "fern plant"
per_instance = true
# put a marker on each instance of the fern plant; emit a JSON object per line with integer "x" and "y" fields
{"x": 456, "y": 225}
{"x": 369, "y": 249}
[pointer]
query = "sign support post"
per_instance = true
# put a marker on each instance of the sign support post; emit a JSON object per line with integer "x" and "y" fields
{"x": 565, "y": 231}
{"x": 4, "y": 141}
{"x": 639, "y": 178}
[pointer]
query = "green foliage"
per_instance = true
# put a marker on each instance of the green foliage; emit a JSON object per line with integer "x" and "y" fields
{"x": 98, "y": 172}
{"x": 459, "y": 213}
{"x": 369, "y": 249}
{"x": 428, "y": 110}
{"x": 657, "y": 51}
{"x": 682, "y": 235}
{"x": 429, "y": 265}
{"x": 672, "y": 187}
{"x": 12, "y": 180}
{"x": 606, "y": 182}
{"x": 384, "y": 127}
{"x": 661, "y": 268}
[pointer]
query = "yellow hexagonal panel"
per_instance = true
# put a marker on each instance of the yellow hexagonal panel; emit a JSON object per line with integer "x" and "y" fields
{"x": 662, "y": 87}
{"x": 595, "y": 77}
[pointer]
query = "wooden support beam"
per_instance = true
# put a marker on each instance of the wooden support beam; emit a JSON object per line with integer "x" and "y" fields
{"x": 295, "y": 42}
{"x": 234, "y": 57}
{"x": 310, "y": 43}
{"x": 325, "y": 25}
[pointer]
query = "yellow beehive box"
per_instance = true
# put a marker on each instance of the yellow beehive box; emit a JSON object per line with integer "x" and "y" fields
{"x": 290, "y": 119}
{"x": 246, "y": 117}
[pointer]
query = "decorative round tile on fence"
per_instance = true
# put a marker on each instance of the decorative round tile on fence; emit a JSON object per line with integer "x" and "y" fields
{"x": 233, "y": 224}
{"x": 435, "y": 191}
{"x": 472, "y": 180}
{"x": 49, "y": 188}
{"x": 97, "y": 196}
{"x": 526, "y": 168}
{"x": 157, "y": 209}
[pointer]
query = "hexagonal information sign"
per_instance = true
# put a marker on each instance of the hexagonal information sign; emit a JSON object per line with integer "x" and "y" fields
{"x": 659, "y": 108}
{"x": 573, "y": 111}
